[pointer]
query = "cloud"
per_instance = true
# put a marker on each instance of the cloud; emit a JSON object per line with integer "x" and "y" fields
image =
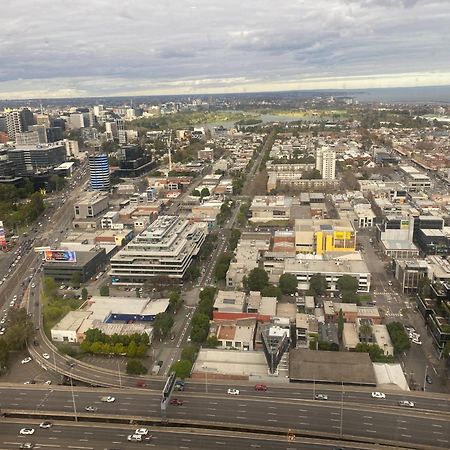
{"x": 105, "y": 47}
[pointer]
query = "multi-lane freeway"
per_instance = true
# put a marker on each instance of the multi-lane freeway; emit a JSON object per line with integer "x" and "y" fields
{"x": 359, "y": 415}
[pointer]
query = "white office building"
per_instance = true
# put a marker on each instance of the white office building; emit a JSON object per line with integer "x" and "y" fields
{"x": 166, "y": 248}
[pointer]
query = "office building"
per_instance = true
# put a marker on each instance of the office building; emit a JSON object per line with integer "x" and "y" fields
{"x": 29, "y": 159}
{"x": 90, "y": 205}
{"x": 165, "y": 249}
{"x": 100, "y": 179}
{"x": 320, "y": 236}
{"x": 326, "y": 162}
{"x": 26, "y": 138}
{"x": 42, "y": 133}
{"x": 133, "y": 161}
{"x": 76, "y": 121}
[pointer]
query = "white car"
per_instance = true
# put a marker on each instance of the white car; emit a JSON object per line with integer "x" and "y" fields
{"x": 46, "y": 355}
{"x": 48, "y": 382}
{"x": 33, "y": 285}
{"x": 45, "y": 424}
{"x": 26, "y": 431}
{"x": 26, "y": 360}
{"x": 406, "y": 403}
{"x": 134, "y": 438}
{"x": 15, "y": 298}
{"x": 108, "y": 399}
{"x": 141, "y": 431}
{"x": 233, "y": 391}
{"x": 416, "y": 341}
{"x": 378, "y": 395}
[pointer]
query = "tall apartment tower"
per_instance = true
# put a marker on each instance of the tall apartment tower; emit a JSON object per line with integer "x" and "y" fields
{"x": 326, "y": 162}
{"x": 100, "y": 179}
{"x": 121, "y": 133}
{"x": 14, "y": 124}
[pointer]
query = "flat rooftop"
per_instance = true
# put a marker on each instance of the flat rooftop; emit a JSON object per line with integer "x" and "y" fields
{"x": 331, "y": 367}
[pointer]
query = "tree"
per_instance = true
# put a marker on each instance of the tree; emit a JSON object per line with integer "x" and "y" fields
{"x": 272, "y": 291}
{"x": 196, "y": 193}
{"x": 192, "y": 273}
{"x": 365, "y": 331}
{"x": 174, "y": 301}
{"x": 288, "y": 283}
{"x": 205, "y": 192}
{"x": 75, "y": 279}
{"x": 84, "y": 294}
{"x": 347, "y": 283}
{"x": 399, "y": 337}
{"x": 318, "y": 284}
{"x": 235, "y": 235}
{"x": 424, "y": 287}
{"x": 189, "y": 353}
{"x": 104, "y": 290}
{"x": 162, "y": 324}
{"x": 375, "y": 352}
{"x": 257, "y": 279}
{"x": 341, "y": 322}
{"x": 182, "y": 368}
{"x": 212, "y": 342}
{"x": 50, "y": 287}
{"x": 135, "y": 367}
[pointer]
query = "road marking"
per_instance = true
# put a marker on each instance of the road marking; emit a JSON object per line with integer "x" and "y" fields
{"x": 406, "y": 435}
{"x": 183, "y": 447}
{"x": 365, "y": 417}
{"x": 442, "y": 440}
{"x": 254, "y": 445}
{"x": 371, "y": 431}
{"x": 438, "y": 432}
{"x": 220, "y": 442}
{"x": 242, "y": 418}
{"x": 402, "y": 428}
{"x": 335, "y": 420}
{"x": 272, "y": 420}
{"x": 337, "y": 414}
{"x": 272, "y": 414}
{"x": 272, "y": 407}
{"x": 82, "y": 448}
{"x": 211, "y": 415}
{"x": 186, "y": 440}
{"x": 436, "y": 425}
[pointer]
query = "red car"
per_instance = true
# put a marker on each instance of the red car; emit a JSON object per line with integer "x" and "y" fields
{"x": 260, "y": 387}
{"x": 176, "y": 402}
{"x": 141, "y": 384}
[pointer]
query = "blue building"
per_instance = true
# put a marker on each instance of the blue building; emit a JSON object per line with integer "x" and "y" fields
{"x": 100, "y": 179}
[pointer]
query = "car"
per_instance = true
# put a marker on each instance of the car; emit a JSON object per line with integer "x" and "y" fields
{"x": 26, "y": 431}
{"x": 260, "y": 387}
{"x": 176, "y": 402}
{"x": 134, "y": 438}
{"x": 27, "y": 445}
{"x": 378, "y": 395}
{"x": 15, "y": 298}
{"x": 46, "y": 424}
{"x": 428, "y": 379}
{"x": 406, "y": 403}
{"x": 180, "y": 385}
{"x": 48, "y": 382}
{"x": 90, "y": 409}
{"x": 33, "y": 285}
{"x": 390, "y": 283}
{"x": 233, "y": 391}
{"x": 46, "y": 355}
{"x": 141, "y": 432}
{"x": 108, "y": 399}
{"x": 141, "y": 384}
{"x": 415, "y": 341}
{"x": 26, "y": 360}
{"x": 321, "y": 397}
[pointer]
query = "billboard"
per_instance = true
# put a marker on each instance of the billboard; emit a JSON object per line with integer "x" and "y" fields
{"x": 60, "y": 255}
{"x": 2, "y": 235}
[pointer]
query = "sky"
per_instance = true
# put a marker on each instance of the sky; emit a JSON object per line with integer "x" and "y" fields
{"x": 87, "y": 48}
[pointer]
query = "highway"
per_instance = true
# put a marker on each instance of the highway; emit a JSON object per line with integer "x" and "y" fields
{"x": 91, "y": 436}
{"x": 373, "y": 420}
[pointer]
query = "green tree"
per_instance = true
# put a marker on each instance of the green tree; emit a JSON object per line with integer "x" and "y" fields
{"x": 162, "y": 324}
{"x": 288, "y": 283}
{"x": 375, "y": 352}
{"x": 49, "y": 287}
{"x": 257, "y": 279}
{"x": 365, "y": 331}
{"x": 205, "y": 192}
{"x": 272, "y": 291}
{"x": 318, "y": 284}
{"x": 182, "y": 368}
{"x": 192, "y": 273}
{"x": 212, "y": 342}
{"x": 347, "y": 283}
{"x": 189, "y": 353}
{"x": 341, "y": 322}
{"x": 196, "y": 193}
{"x": 135, "y": 367}
{"x": 235, "y": 235}
{"x": 399, "y": 337}
{"x": 174, "y": 301}
{"x": 84, "y": 294}
{"x": 424, "y": 287}
{"x": 104, "y": 290}
{"x": 131, "y": 349}
{"x": 75, "y": 279}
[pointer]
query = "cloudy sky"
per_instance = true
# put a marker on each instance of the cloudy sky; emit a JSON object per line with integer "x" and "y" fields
{"x": 76, "y": 48}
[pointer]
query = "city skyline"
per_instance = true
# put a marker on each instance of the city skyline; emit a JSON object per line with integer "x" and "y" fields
{"x": 197, "y": 47}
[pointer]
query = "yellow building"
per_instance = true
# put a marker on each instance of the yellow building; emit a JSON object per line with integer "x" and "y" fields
{"x": 321, "y": 236}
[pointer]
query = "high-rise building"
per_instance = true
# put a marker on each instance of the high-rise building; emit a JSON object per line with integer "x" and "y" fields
{"x": 31, "y": 158}
{"x": 100, "y": 179}
{"x": 27, "y": 118}
{"x": 14, "y": 124}
{"x": 28, "y": 138}
{"x": 76, "y": 121}
{"x": 326, "y": 162}
{"x": 121, "y": 131}
{"x": 41, "y": 131}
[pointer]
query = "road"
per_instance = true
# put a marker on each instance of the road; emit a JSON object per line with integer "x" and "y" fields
{"x": 91, "y": 436}
{"x": 359, "y": 414}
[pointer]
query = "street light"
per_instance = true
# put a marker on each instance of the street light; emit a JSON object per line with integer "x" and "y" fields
{"x": 425, "y": 378}
{"x": 73, "y": 396}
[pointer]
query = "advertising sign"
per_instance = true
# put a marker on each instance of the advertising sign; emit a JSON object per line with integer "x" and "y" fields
{"x": 60, "y": 255}
{"x": 2, "y": 235}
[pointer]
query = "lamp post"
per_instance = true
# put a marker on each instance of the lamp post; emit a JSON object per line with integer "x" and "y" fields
{"x": 342, "y": 408}
{"x": 425, "y": 379}
{"x": 73, "y": 397}
{"x": 120, "y": 378}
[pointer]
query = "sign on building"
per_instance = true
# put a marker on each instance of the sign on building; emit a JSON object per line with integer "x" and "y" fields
{"x": 60, "y": 255}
